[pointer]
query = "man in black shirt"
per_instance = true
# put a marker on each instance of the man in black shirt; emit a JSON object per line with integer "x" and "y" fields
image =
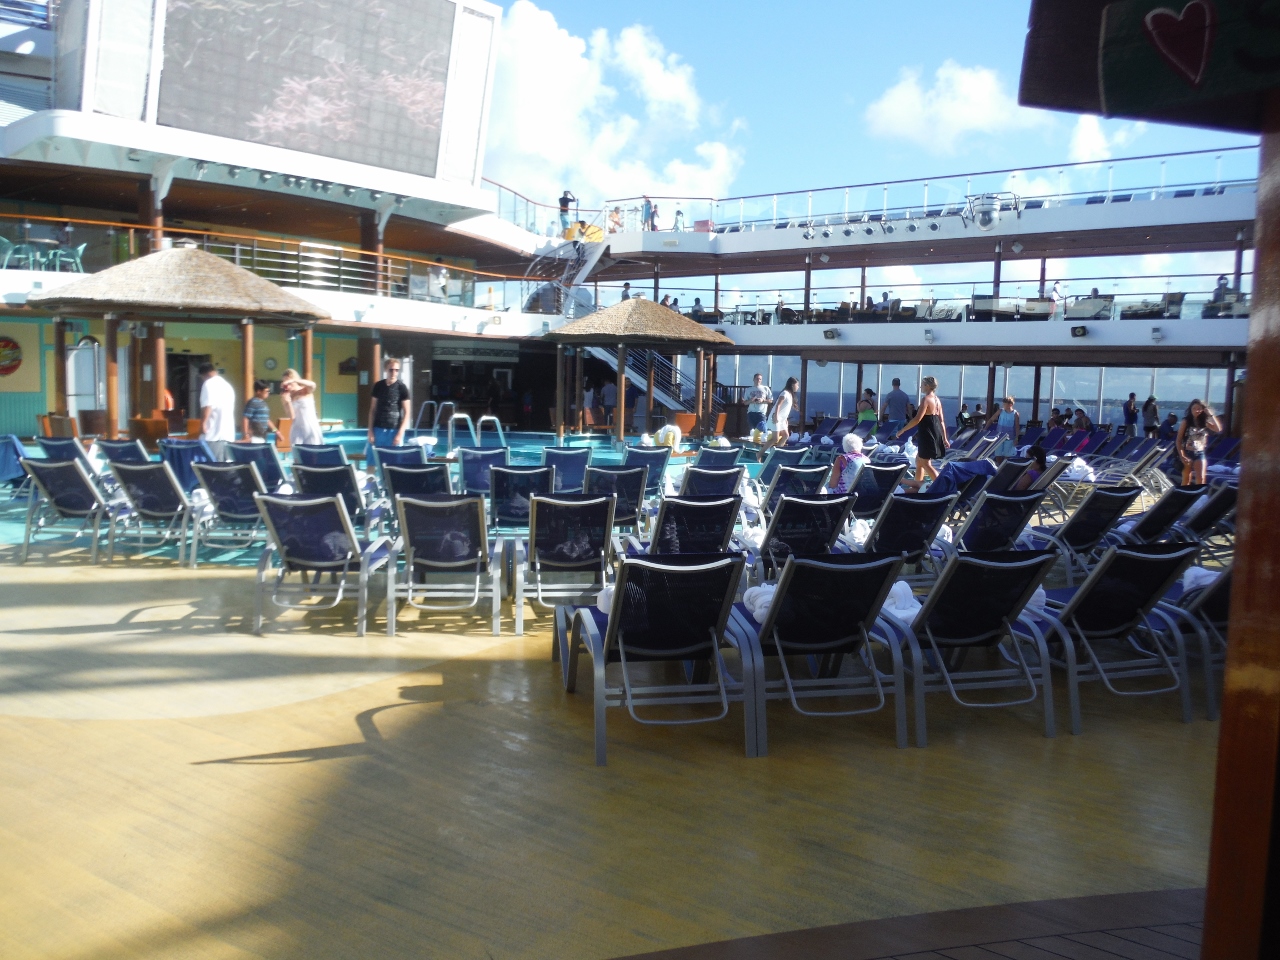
{"x": 388, "y": 410}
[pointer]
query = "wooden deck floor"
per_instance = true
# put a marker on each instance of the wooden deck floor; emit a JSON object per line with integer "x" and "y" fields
{"x": 171, "y": 787}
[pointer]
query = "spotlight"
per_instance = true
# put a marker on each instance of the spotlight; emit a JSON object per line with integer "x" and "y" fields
{"x": 831, "y": 333}
{"x": 400, "y": 200}
{"x": 808, "y": 233}
{"x": 911, "y": 227}
{"x": 888, "y": 228}
{"x": 349, "y": 191}
{"x": 375, "y": 195}
{"x": 848, "y": 231}
{"x": 1081, "y": 331}
{"x": 826, "y": 232}
{"x": 868, "y": 231}
{"x": 201, "y": 167}
{"x": 233, "y": 172}
{"x": 288, "y": 181}
{"x": 933, "y": 225}
{"x": 986, "y": 211}
{"x": 265, "y": 175}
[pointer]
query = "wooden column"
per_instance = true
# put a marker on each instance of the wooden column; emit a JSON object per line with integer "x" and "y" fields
{"x": 136, "y": 407}
{"x": 995, "y": 280}
{"x": 804, "y": 392}
{"x": 159, "y": 368}
{"x": 1228, "y": 405}
{"x": 371, "y": 243}
{"x": 113, "y": 377}
{"x": 657, "y": 268}
{"x": 711, "y": 392}
{"x": 991, "y": 389}
{"x": 648, "y": 403}
{"x": 1244, "y": 873}
{"x": 579, "y": 390}
{"x": 308, "y": 347}
{"x": 59, "y": 367}
{"x": 246, "y": 361}
{"x": 699, "y": 390}
{"x": 150, "y": 214}
{"x": 368, "y": 361}
{"x": 1035, "y": 396}
{"x": 559, "y": 395}
{"x": 621, "y": 418}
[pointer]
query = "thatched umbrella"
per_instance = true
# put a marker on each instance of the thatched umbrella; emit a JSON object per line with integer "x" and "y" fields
{"x": 183, "y": 283}
{"x": 633, "y": 323}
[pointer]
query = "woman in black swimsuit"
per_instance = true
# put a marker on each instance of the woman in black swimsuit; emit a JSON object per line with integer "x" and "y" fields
{"x": 931, "y": 438}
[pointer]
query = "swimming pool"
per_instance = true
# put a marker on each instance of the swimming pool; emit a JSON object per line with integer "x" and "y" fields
{"x": 525, "y": 446}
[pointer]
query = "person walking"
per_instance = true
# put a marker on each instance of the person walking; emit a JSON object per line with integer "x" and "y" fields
{"x": 867, "y": 406}
{"x": 778, "y": 419}
{"x": 1193, "y": 441}
{"x": 1130, "y": 428}
{"x": 931, "y": 438}
{"x": 299, "y": 397}
{"x": 759, "y": 398}
{"x": 609, "y": 399}
{"x": 1150, "y": 417}
{"x": 217, "y": 411}
{"x": 388, "y": 410}
{"x": 893, "y": 408}
{"x": 256, "y": 420}
{"x": 1009, "y": 423}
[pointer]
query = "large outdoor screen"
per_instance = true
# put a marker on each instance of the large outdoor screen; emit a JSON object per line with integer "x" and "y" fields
{"x": 359, "y": 80}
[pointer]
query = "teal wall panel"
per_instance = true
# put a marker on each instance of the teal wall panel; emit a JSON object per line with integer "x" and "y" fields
{"x": 335, "y": 405}
{"x": 18, "y": 412}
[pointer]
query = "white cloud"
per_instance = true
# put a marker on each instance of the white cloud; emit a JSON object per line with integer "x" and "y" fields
{"x": 607, "y": 117}
{"x": 1091, "y": 143}
{"x": 963, "y": 101}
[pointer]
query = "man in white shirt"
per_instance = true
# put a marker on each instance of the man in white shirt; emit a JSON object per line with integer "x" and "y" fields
{"x": 217, "y": 411}
{"x": 758, "y": 399}
{"x": 609, "y": 399}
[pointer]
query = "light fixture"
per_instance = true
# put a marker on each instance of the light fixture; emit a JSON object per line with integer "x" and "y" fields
{"x": 848, "y": 231}
{"x": 375, "y": 195}
{"x": 287, "y": 180}
{"x": 808, "y": 233}
{"x": 1081, "y": 331}
{"x": 824, "y": 258}
{"x": 1017, "y": 246}
{"x": 265, "y": 175}
{"x": 928, "y": 335}
{"x": 201, "y": 167}
{"x": 400, "y": 199}
{"x": 986, "y": 211}
{"x": 826, "y": 232}
{"x": 233, "y": 172}
{"x": 888, "y": 228}
{"x": 911, "y": 227}
{"x": 349, "y": 191}
{"x": 868, "y": 231}
{"x": 933, "y": 225}
{"x": 831, "y": 333}
{"x": 1156, "y": 335}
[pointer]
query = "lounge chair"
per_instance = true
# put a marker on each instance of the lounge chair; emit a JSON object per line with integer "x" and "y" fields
{"x": 232, "y": 519}
{"x": 806, "y": 526}
{"x": 314, "y": 538}
{"x": 778, "y": 457}
{"x": 319, "y": 454}
{"x": 418, "y": 480}
{"x": 511, "y": 493}
{"x": 717, "y": 458}
{"x": 711, "y": 482}
{"x": 996, "y": 522}
{"x": 158, "y": 511}
{"x": 362, "y": 503}
{"x": 568, "y": 553}
{"x": 474, "y": 464}
{"x": 689, "y": 525}
{"x": 1116, "y": 610}
{"x": 1206, "y": 611}
{"x": 123, "y": 451}
{"x": 805, "y": 481}
{"x": 825, "y": 619}
{"x": 907, "y": 526}
{"x": 410, "y": 455}
{"x": 180, "y": 455}
{"x": 64, "y": 499}
{"x": 873, "y": 486}
{"x": 656, "y": 459}
{"x": 1210, "y": 526}
{"x": 571, "y": 466}
{"x": 1082, "y": 538}
{"x": 1158, "y": 522}
{"x": 444, "y": 540}
{"x": 265, "y": 457}
{"x": 672, "y": 610}
{"x": 626, "y": 484}
{"x": 979, "y": 602}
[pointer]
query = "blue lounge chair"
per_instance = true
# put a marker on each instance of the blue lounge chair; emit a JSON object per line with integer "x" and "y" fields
{"x": 1206, "y": 610}
{"x": 314, "y": 539}
{"x": 123, "y": 451}
{"x": 806, "y": 526}
{"x": 775, "y": 458}
{"x": 568, "y": 551}
{"x": 672, "y": 609}
{"x": 361, "y": 500}
{"x": 805, "y": 481}
{"x": 180, "y": 455}
{"x": 421, "y": 480}
{"x": 571, "y": 466}
{"x": 1082, "y": 538}
{"x": 511, "y": 493}
{"x": 64, "y": 499}
{"x": 158, "y": 511}
{"x": 474, "y": 464}
{"x": 265, "y": 457}
{"x": 656, "y": 459}
{"x": 626, "y": 484}
{"x": 449, "y": 564}
{"x": 700, "y": 482}
{"x": 996, "y": 522}
{"x": 320, "y": 455}
{"x": 1160, "y": 521}
{"x": 907, "y": 526}
{"x": 689, "y": 525}
{"x": 874, "y": 485}
{"x": 717, "y": 458}
{"x": 232, "y": 519}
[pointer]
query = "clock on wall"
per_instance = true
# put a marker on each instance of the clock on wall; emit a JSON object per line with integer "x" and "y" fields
{"x": 269, "y": 363}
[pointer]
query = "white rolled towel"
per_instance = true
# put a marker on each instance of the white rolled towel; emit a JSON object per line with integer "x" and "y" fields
{"x": 859, "y": 531}
{"x": 910, "y": 450}
{"x": 901, "y": 602}
{"x": 604, "y": 599}
{"x": 1079, "y": 470}
{"x": 721, "y": 442}
{"x": 1038, "y": 601}
{"x": 646, "y": 440}
{"x": 425, "y": 442}
{"x": 758, "y": 600}
{"x": 753, "y": 539}
{"x": 1198, "y": 577}
{"x": 944, "y": 534}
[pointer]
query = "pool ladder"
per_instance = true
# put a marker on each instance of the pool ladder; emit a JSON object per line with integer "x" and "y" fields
{"x": 447, "y": 413}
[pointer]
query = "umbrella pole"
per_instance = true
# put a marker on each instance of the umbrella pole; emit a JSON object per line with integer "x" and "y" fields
{"x": 699, "y": 390}
{"x": 621, "y": 408}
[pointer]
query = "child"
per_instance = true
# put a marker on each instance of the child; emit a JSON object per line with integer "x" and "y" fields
{"x": 257, "y": 417}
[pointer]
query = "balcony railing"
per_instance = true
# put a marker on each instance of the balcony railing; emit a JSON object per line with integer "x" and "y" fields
{"x": 28, "y": 13}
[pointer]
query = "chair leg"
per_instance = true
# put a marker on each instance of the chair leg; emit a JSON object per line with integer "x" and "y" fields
{"x": 917, "y": 693}
{"x": 362, "y": 598}
{"x": 1046, "y": 686}
{"x": 1210, "y": 681}
{"x": 392, "y": 565}
{"x": 899, "y": 693}
{"x": 1073, "y": 682}
{"x": 261, "y": 591}
{"x": 597, "y": 658}
{"x": 495, "y": 599}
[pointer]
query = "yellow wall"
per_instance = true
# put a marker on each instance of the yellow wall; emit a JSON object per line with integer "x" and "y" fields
{"x": 26, "y": 379}
{"x": 335, "y": 351}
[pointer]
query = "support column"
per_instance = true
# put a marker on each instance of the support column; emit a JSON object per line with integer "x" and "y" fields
{"x": 804, "y": 392}
{"x": 369, "y": 372}
{"x": 560, "y": 395}
{"x": 862, "y": 299}
{"x": 246, "y": 361}
{"x": 657, "y": 268}
{"x": 59, "y": 367}
{"x": 808, "y": 280}
{"x": 308, "y": 347}
{"x": 1239, "y": 274}
{"x": 371, "y": 243}
{"x": 715, "y": 303}
{"x": 840, "y": 392}
{"x": 1228, "y": 405}
{"x": 1243, "y": 870}
{"x": 1035, "y": 395}
{"x": 151, "y": 215}
{"x": 995, "y": 281}
{"x": 711, "y": 391}
{"x": 621, "y": 419}
{"x": 699, "y": 390}
{"x": 1043, "y": 266}
{"x": 579, "y": 390}
{"x": 113, "y": 376}
{"x": 159, "y": 369}
{"x": 136, "y": 406}
{"x": 857, "y": 390}
{"x": 991, "y": 388}
{"x": 648, "y": 403}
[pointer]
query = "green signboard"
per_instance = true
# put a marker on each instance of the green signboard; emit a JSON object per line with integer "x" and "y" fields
{"x": 1154, "y": 57}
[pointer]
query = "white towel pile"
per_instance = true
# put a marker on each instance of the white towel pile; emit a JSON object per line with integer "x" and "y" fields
{"x": 721, "y": 442}
{"x": 944, "y": 534}
{"x": 859, "y": 530}
{"x": 646, "y": 440}
{"x": 1038, "y": 601}
{"x": 754, "y": 539}
{"x": 757, "y": 600}
{"x": 901, "y": 602}
{"x": 1079, "y": 470}
{"x": 910, "y": 450}
{"x": 604, "y": 599}
{"x": 425, "y": 442}
{"x": 1197, "y": 578}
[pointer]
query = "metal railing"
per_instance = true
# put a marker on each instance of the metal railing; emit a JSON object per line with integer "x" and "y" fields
{"x": 543, "y": 219}
{"x": 28, "y": 13}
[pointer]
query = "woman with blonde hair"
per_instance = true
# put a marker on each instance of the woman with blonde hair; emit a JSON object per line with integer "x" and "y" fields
{"x": 931, "y": 438}
{"x": 300, "y": 404}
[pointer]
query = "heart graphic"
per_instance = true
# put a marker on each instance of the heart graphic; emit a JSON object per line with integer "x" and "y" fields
{"x": 1183, "y": 39}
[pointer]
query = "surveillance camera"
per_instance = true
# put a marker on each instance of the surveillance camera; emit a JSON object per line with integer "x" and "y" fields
{"x": 986, "y": 211}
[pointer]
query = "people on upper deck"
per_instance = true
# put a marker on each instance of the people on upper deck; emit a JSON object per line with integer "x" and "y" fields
{"x": 1221, "y": 291}
{"x": 883, "y": 305}
{"x": 666, "y": 300}
{"x": 1150, "y": 417}
{"x": 626, "y": 291}
{"x": 646, "y": 214}
{"x": 696, "y": 312}
{"x": 615, "y": 220}
{"x": 566, "y": 199}
{"x": 1059, "y": 299}
{"x": 871, "y": 304}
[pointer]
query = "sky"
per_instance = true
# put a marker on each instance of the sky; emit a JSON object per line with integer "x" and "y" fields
{"x": 730, "y": 97}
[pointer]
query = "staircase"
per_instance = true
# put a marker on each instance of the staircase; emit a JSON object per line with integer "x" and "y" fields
{"x": 562, "y": 268}
{"x": 667, "y": 384}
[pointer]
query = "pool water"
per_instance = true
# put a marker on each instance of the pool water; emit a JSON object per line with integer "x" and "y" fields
{"x": 525, "y": 446}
